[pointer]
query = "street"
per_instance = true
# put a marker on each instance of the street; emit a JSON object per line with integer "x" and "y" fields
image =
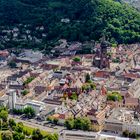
{"x": 56, "y": 129}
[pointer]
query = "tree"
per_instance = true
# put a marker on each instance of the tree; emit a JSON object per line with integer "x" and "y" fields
{"x": 77, "y": 59}
{"x": 51, "y": 137}
{"x": 86, "y": 124}
{"x": 114, "y": 96}
{"x": 6, "y": 135}
{"x": 19, "y": 127}
{"x": 87, "y": 78}
{"x": 18, "y": 111}
{"x": 25, "y": 92}
{"x": 36, "y": 135}
{"x": 4, "y": 115}
{"x": 133, "y": 135}
{"x": 69, "y": 123}
{"x": 12, "y": 123}
{"x": 18, "y": 136}
{"x": 29, "y": 112}
{"x": 49, "y": 118}
{"x": 3, "y": 108}
{"x": 94, "y": 20}
{"x": 74, "y": 96}
{"x": 55, "y": 136}
{"x": 88, "y": 86}
{"x": 55, "y": 121}
{"x": 78, "y": 123}
{"x": 93, "y": 86}
{"x": 4, "y": 125}
{"x": 26, "y": 132}
{"x": 126, "y": 133}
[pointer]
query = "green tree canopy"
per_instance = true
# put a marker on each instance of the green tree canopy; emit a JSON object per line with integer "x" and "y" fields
{"x": 19, "y": 127}
{"x": 36, "y": 135}
{"x": 12, "y": 123}
{"x": 69, "y": 123}
{"x": 74, "y": 96}
{"x": 88, "y": 20}
{"x": 77, "y": 59}
{"x": 18, "y": 136}
{"x": 114, "y": 96}
{"x": 78, "y": 123}
{"x": 4, "y": 115}
{"x": 87, "y": 78}
{"x": 29, "y": 112}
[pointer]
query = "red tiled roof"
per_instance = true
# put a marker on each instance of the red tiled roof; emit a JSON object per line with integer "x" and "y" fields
{"x": 61, "y": 116}
{"x": 132, "y": 101}
{"x": 130, "y": 75}
{"x": 102, "y": 74}
{"x": 4, "y": 53}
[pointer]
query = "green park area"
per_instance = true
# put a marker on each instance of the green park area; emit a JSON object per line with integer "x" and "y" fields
{"x": 114, "y": 96}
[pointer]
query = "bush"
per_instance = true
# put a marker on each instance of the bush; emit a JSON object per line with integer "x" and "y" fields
{"x": 74, "y": 96}
{"x": 25, "y": 92}
{"x": 77, "y": 59}
{"x": 29, "y": 80}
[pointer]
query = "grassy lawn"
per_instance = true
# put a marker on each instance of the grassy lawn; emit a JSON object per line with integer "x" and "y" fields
{"x": 30, "y": 130}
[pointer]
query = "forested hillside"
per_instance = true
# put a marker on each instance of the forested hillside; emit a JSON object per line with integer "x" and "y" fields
{"x": 75, "y": 20}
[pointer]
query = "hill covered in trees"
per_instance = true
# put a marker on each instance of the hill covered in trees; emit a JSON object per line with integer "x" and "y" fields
{"x": 74, "y": 20}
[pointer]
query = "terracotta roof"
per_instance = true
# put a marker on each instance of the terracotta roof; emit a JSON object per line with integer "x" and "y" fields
{"x": 4, "y": 53}
{"x": 132, "y": 101}
{"x": 131, "y": 75}
{"x": 102, "y": 74}
{"x": 61, "y": 116}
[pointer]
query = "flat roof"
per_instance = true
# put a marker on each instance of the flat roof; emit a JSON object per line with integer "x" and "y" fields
{"x": 79, "y": 132}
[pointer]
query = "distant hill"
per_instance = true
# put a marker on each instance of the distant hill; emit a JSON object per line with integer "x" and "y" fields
{"x": 75, "y": 20}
